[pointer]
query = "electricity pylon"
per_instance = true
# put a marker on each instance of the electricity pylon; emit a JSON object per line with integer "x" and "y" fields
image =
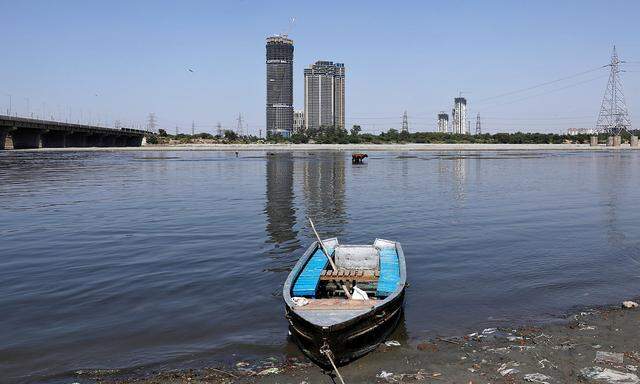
{"x": 614, "y": 115}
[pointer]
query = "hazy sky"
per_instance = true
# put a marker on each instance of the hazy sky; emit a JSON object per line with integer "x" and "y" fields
{"x": 123, "y": 59}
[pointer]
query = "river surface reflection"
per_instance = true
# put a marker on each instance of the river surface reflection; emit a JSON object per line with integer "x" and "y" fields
{"x": 167, "y": 259}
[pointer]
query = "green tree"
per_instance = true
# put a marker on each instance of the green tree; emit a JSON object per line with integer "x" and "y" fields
{"x": 230, "y": 135}
{"x": 299, "y": 138}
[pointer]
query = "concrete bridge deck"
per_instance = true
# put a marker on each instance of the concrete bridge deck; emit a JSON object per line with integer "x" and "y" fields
{"x": 24, "y": 133}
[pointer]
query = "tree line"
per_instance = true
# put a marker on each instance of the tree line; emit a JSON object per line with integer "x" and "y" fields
{"x": 338, "y": 135}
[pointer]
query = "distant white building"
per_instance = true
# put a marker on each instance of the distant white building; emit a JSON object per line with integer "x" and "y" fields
{"x": 581, "y": 131}
{"x": 298, "y": 121}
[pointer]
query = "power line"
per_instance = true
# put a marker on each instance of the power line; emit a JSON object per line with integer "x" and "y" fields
{"x": 538, "y": 118}
{"x": 546, "y": 92}
{"x": 541, "y": 84}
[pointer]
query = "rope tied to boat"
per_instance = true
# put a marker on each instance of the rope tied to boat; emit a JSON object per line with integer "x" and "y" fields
{"x": 325, "y": 350}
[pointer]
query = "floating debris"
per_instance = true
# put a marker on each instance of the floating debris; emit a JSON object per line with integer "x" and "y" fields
{"x": 499, "y": 351}
{"x": 509, "y": 368}
{"x": 629, "y": 304}
{"x": 269, "y": 371}
{"x": 544, "y": 363}
{"x": 522, "y": 348}
{"x": 392, "y": 343}
{"x": 537, "y": 378}
{"x": 384, "y": 375}
{"x": 609, "y": 357}
{"x": 609, "y": 375}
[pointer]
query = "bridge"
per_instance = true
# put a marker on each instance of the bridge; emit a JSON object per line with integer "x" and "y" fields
{"x": 24, "y": 133}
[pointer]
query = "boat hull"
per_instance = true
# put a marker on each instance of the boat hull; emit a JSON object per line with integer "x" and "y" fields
{"x": 348, "y": 340}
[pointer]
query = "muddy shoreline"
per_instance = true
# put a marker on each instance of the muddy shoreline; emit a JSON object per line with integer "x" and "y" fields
{"x": 599, "y": 345}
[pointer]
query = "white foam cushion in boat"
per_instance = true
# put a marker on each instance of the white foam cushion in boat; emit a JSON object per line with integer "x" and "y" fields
{"x": 356, "y": 257}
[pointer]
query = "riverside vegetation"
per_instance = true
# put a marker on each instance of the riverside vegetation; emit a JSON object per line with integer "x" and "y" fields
{"x": 336, "y": 135}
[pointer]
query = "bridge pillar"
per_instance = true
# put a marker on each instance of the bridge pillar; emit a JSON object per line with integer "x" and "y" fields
{"x": 121, "y": 141}
{"x": 108, "y": 141}
{"x": 633, "y": 142}
{"x": 594, "y": 141}
{"x": 617, "y": 141}
{"x": 4, "y": 133}
{"x": 24, "y": 138}
{"x": 77, "y": 139}
{"x": 94, "y": 140}
{"x": 134, "y": 141}
{"x": 54, "y": 139}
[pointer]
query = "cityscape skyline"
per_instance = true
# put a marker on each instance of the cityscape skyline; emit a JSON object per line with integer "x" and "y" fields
{"x": 106, "y": 75}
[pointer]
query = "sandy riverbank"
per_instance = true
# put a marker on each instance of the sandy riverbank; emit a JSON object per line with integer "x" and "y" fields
{"x": 595, "y": 346}
{"x": 351, "y": 147}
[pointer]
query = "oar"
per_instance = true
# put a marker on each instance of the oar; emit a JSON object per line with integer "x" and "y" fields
{"x": 324, "y": 250}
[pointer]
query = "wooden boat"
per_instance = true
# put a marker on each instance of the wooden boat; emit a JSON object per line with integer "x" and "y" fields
{"x": 323, "y": 320}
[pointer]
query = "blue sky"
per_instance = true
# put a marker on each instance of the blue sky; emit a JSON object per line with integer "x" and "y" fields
{"x": 123, "y": 59}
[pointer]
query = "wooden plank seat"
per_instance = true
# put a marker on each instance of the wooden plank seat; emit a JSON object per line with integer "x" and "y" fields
{"x": 337, "y": 304}
{"x": 361, "y": 276}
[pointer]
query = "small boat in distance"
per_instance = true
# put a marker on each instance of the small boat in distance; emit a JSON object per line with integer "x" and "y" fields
{"x": 343, "y": 306}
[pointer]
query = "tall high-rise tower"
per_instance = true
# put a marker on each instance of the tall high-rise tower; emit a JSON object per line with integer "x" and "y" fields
{"x": 614, "y": 115}
{"x": 459, "y": 115}
{"x": 279, "y": 85}
{"x": 405, "y": 122}
{"x": 443, "y": 122}
{"x": 324, "y": 98}
{"x": 478, "y": 125}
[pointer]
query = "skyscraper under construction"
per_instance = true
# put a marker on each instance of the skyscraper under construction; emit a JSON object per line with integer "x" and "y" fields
{"x": 324, "y": 95}
{"x": 279, "y": 85}
{"x": 443, "y": 122}
{"x": 459, "y": 116}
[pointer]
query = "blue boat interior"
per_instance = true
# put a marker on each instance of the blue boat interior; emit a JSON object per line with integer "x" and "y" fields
{"x": 307, "y": 282}
{"x": 389, "y": 272}
{"x": 374, "y": 269}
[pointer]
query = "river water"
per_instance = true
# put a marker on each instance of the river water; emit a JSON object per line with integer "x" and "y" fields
{"x": 150, "y": 260}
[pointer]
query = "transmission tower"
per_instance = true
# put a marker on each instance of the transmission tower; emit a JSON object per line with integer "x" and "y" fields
{"x": 193, "y": 128}
{"x": 239, "y": 127}
{"x": 405, "y": 122}
{"x": 614, "y": 115}
{"x": 152, "y": 122}
{"x": 219, "y": 129}
{"x": 478, "y": 127}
